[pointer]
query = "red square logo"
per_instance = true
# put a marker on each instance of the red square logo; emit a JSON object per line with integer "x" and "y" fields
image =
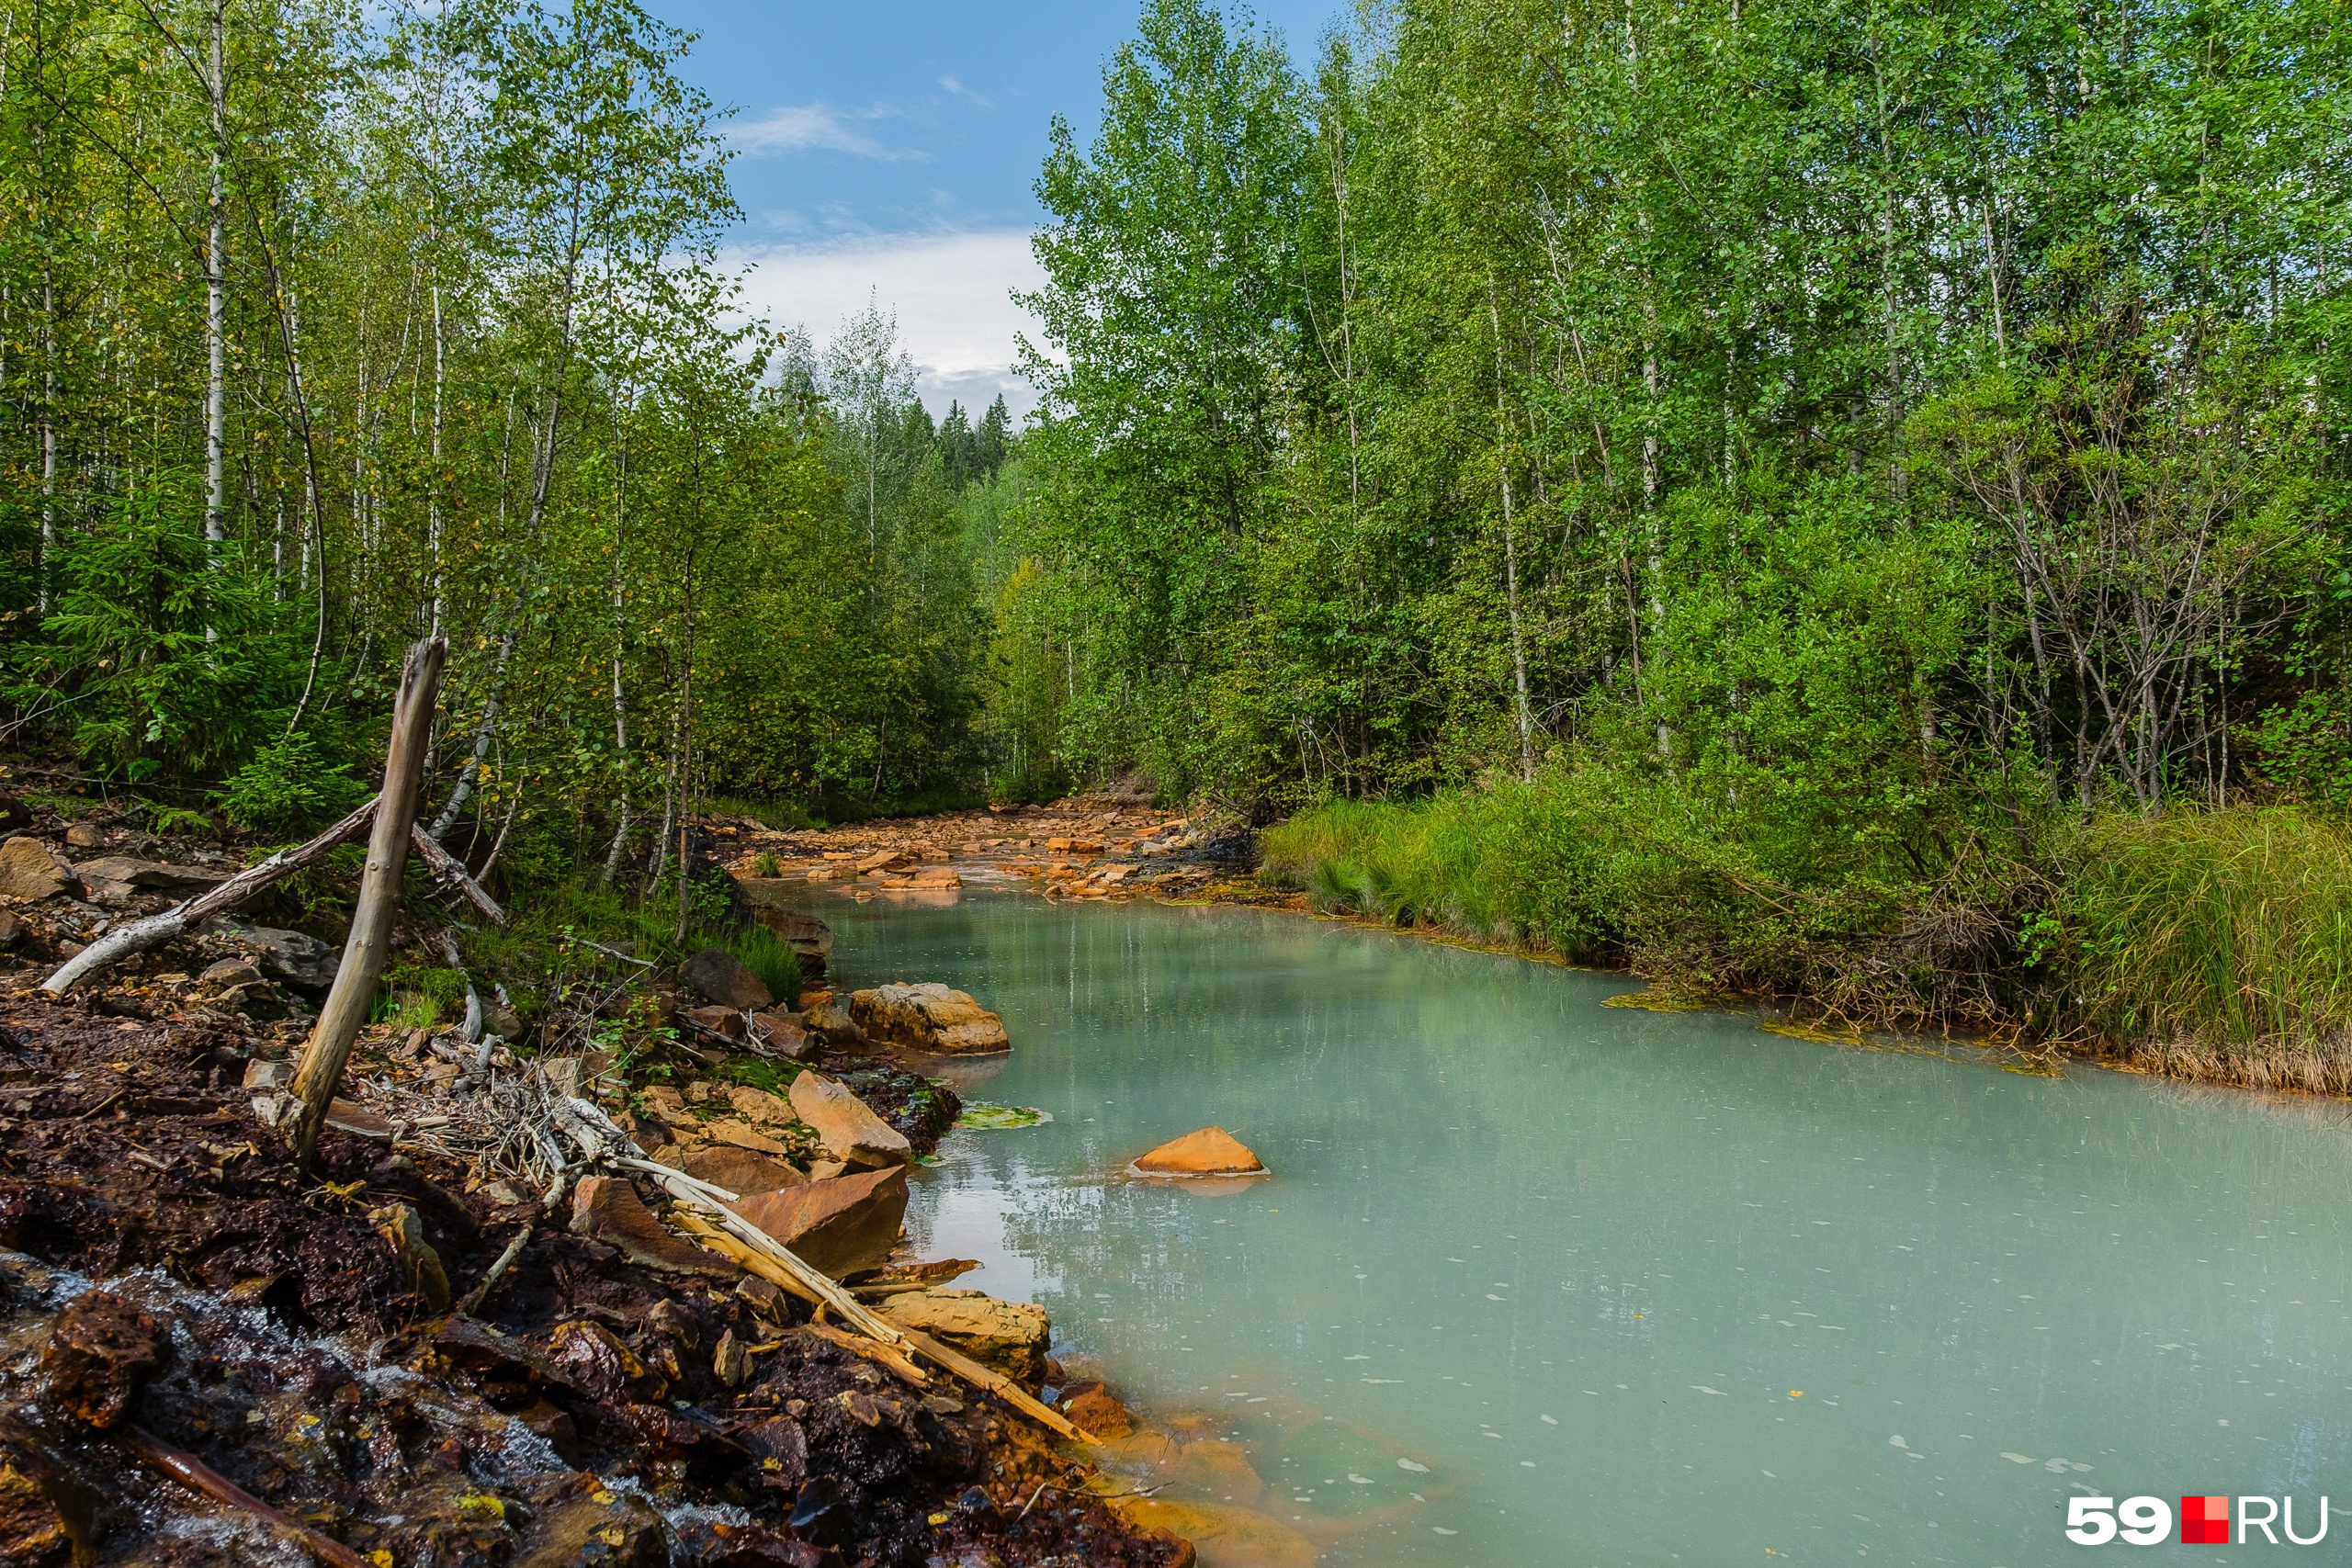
{"x": 2204, "y": 1521}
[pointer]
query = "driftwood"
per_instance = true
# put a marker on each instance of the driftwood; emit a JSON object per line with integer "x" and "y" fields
{"x": 354, "y": 991}
{"x": 138, "y": 935}
{"x": 198, "y": 1476}
{"x": 452, "y": 870}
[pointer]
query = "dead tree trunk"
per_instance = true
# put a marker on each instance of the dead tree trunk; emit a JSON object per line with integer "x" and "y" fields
{"x": 380, "y": 897}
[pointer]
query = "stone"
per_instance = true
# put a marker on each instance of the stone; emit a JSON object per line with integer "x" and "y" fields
{"x": 929, "y": 1017}
{"x": 832, "y": 1021}
{"x": 728, "y": 1021}
{"x": 85, "y": 835}
{"x": 744, "y": 1135}
{"x": 884, "y": 860}
{"x": 102, "y": 1351}
{"x": 1211, "y": 1151}
{"x": 1075, "y": 846}
{"x": 9, "y": 927}
{"x": 1090, "y": 1408}
{"x": 29, "y": 870}
{"x": 730, "y": 1363}
{"x": 846, "y": 1125}
{"x": 296, "y": 957}
{"x": 936, "y": 877}
{"x": 607, "y": 1209}
{"x": 758, "y": 1107}
{"x": 839, "y": 1225}
{"x": 740, "y": 1171}
{"x": 260, "y": 1075}
{"x": 232, "y": 972}
{"x": 810, "y": 938}
{"x": 403, "y": 1231}
{"x": 33, "y": 1531}
{"x": 781, "y": 1033}
{"x": 1006, "y": 1336}
{"x": 659, "y": 1100}
{"x": 119, "y": 876}
{"x": 720, "y": 975}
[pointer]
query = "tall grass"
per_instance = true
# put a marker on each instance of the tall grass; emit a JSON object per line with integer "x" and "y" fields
{"x": 765, "y": 955}
{"x": 2206, "y": 944}
{"x": 2219, "y": 945}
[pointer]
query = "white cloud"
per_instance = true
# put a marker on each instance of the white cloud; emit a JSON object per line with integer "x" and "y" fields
{"x": 951, "y": 293}
{"x": 794, "y": 127}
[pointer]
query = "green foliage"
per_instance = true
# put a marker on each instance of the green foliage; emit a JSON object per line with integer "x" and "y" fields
{"x": 2231, "y": 929}
{"x": 158, "y": 646}
{"x": 766, "y": 954}
{"x": 287, "y": 786}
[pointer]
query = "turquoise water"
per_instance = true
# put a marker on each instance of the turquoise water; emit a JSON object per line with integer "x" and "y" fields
{"x": 1631, "y": 1287}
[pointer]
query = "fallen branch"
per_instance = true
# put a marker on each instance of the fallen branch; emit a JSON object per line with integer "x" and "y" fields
{"x": 198, "y": 1476}
{"x": 599, "y": 1139}
{"x": 354, "y": 992}
{"x": 452, "y": 870}
{"x": 997, "y": 1383}
{"x": 609, "y": 952}
{"x": 480, "y": 1294}
{"x": 142, "y": 934}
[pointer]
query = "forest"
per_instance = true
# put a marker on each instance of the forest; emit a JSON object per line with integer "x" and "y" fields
{"x": 1838, "y": 499}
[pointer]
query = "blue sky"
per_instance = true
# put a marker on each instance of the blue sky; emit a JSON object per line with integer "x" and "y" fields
{"x": 891, "y": 147}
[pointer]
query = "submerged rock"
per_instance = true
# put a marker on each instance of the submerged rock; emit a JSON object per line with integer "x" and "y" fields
{"x": 929, "y": 1017}
{"x": 840, "y": 1224}
{"x": 1211, "y": 1151}
{"x": 849, "y": 1129}
{"x": 1006, "y": 1336}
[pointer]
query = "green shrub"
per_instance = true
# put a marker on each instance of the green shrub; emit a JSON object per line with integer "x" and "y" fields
{"x": 288, "y": 786}
{"x": 765, "y": 865}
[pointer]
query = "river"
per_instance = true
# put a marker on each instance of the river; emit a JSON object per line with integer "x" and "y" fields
{"x": 1542, "y": 1280}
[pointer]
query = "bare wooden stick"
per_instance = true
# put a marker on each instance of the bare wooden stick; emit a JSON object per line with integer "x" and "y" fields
{"x": 198, "y": 1476}
{"x": 480, "y": 1294}
{"x": 380, "y": 897}
{"x": 997, "y": 1383}
{"x": 452, "y": 870}
{"x": 140, "y": 935}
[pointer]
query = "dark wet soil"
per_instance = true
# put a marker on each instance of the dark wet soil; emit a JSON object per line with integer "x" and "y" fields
{"x": 172, "y": 1279}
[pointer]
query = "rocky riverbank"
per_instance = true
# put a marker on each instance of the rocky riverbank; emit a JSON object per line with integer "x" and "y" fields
{"x": 459, "y": 1339}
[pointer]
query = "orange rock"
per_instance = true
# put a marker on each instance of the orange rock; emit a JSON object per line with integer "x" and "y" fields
{"x": 1090, "y": 1408}
{"x": 840, "y": 1224}
{"x": 1212, "y": 1151}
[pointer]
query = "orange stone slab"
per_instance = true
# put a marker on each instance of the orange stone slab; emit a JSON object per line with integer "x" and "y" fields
{"x": 1212, "y": 1151}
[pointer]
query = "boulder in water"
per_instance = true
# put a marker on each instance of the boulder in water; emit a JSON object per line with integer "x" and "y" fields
{"x": 1211, "y": 1151}
{"x": 929, "y": 1017}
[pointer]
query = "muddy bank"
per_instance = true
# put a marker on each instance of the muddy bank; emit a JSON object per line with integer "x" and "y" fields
{"x": 174, "y": 1283}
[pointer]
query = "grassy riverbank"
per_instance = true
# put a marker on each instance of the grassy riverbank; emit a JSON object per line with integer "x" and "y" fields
{"x": 2206, "y": 944}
